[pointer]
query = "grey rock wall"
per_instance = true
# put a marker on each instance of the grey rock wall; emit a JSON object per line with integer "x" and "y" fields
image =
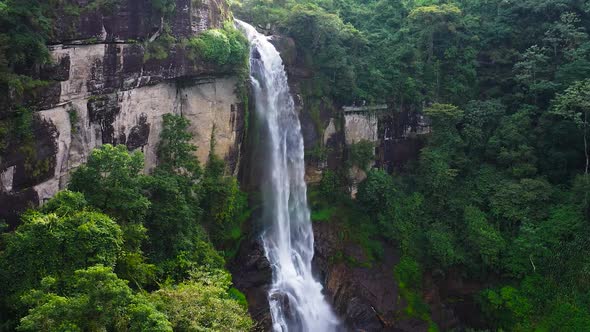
{"x": 103, "y": 89}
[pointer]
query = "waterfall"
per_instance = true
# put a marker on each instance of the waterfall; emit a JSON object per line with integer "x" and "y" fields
{"x": 295, "y": 297}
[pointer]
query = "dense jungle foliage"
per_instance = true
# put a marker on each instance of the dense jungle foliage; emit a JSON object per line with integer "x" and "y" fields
{"x": 125, "y": 251}
{"x": 119, "y": 250}
{"x": 500, "y": 190}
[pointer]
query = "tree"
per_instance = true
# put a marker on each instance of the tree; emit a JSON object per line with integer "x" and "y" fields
{"x": 330, "y": 46}
{"x": 362, "y": 154}
{"x": 574, "y": 105}
{"x": 512, "y": 144}
{"x": 225, "y": 206}
{"x": 332, "y": 186}
{"x": 57, "y": 245}
{"x": 565, "y": 35}
{"x": 480, "y": 121}
{"x": 532, "y": 71}
{"x": 65, "y": 203}
{"x": 403, "y": 221}
{"x": 442, "y": 245}
{"x": 516, "y": 202}
{"x": 507, "y": 308}
{"x": 174, "y": 215}
{"x": 95, "y": 299}
{"x": 482, "y": 237}
{"x": 446, "y": 60}
{"x": 443, "y": 157}
{"x": 445, "y": 118}
{"x": 111, "y": 182}
{"x": 203, "y": 304}
{"x": 375, "y": 191}
{"x": 175, "y": 151}
{"x": 431, "y": 19}
{"x": 174, "y": 192}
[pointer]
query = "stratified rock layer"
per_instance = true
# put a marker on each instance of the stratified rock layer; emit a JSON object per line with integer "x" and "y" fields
{"x": 104, "y": 88}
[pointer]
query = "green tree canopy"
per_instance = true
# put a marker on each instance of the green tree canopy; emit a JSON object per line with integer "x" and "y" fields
{"x": 50, "y": 244}
{"x": 94, "y": 299}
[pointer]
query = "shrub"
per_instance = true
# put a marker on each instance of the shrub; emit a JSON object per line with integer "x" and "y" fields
{"x": 361, "y": 154}
{"x": 225, "y": 46}
{"x": 158, "y": 49}
{"x": 205, "y": 303}
{"x": 375, "y": 191}
{"x": 408, "y": 273}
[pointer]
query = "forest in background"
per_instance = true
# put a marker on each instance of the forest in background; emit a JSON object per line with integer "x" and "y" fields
{"x": 500, "y": 190}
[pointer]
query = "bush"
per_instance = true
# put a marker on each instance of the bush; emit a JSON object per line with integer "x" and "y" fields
{"x": 222, "y": 47}
{"x": 362, "y": 154}
{"x": 212, "y": 45}
{"x": 332, "y": 186}
{"x": 159, "y": 48}
{"x": 408, "y": 273}
{"x": 206, "y": 303}
{"x": 375, "y": 191}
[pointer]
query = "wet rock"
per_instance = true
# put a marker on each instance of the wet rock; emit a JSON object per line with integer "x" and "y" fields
{"x": 102, "y": 110}
{"x": 43, "y": 97}
{"x": 367, "y": 298}
{"x": 401, "y": 137}
{"x": 34, "y": 161}
{"x": 13, "y": 203}
{"x": 25, "y": 164}
{"x": 58, "y": 71}
{"x": 252, "y": 275}
{"x": 139, "y": 134}
{"x": 256, "y": 54}
{"x": 283, "y": 301}
{"x": 286, "y": 47}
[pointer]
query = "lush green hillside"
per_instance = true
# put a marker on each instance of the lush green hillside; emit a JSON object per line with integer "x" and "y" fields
{"x": 500, "y": 190}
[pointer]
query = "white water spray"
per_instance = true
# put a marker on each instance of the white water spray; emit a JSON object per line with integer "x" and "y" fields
{"x": 296, "y": 300}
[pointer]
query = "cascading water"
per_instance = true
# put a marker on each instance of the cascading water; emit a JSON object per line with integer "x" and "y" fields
{"x": 295, "y": 298}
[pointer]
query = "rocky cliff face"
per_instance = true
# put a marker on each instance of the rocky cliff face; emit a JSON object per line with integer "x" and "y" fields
{"x": 106, "y": 88}
{"x": 367, "y": 297}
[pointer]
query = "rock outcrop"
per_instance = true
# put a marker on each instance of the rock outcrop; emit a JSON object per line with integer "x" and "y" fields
{"x": 105, "y": 87}
{"x": 252, "y": 274}
{"x": 367, "y": 297}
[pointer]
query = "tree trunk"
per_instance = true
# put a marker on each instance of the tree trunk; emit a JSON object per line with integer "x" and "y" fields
{"x": 159, "y": 32}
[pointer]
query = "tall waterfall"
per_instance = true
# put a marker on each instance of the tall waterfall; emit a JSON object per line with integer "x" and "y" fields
{"x": 295, "y": 297}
